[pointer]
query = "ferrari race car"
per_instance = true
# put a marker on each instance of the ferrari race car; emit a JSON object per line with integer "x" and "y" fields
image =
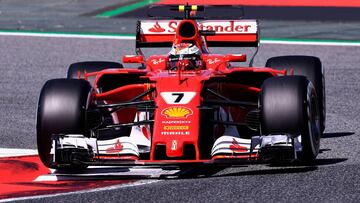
{"x": 185, "y": 107}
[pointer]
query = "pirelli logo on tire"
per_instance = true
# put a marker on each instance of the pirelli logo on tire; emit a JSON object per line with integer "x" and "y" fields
{"x": 176, "y": 127}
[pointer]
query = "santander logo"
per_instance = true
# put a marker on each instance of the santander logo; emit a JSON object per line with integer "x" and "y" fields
{"x": 235, "y": 147}
{"x": 118, "y": 147}
{"x": 157, "y": 28}
{"x": 220, "y": 27}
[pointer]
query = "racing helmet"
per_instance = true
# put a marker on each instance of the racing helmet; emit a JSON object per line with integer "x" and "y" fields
{"x": 186, "y": 56}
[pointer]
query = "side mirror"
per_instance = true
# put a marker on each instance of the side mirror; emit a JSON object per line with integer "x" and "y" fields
{"x": 133, "y": 59}
{"x": 235, "y": 57}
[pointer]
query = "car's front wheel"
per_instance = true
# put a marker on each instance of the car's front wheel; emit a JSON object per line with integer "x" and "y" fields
{"x": 310, "y": 67}
{"x": 61, "y": 110}
{"x": 288, "y": 105}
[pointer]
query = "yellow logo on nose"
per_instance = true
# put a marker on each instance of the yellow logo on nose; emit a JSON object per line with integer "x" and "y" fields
{"x": 176, "y": 127}
{"x": 177, "y": 112}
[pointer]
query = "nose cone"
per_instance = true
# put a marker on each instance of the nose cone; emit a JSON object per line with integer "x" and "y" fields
{"x": 177, "y": 117}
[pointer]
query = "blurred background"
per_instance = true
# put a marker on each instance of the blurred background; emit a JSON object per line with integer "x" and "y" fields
{"x": 304, "y": 19}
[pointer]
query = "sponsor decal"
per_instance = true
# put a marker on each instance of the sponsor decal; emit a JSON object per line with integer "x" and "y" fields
{"x": 220, "y": 26}
{"x": 177, "y": 97}
{"x": 176, "y": 127}
{"x": 157, "y": 61}
{"x": 181, "y": 46}
{"x": 116, "y": 149}
{"x": 212, "y": 61}
{"x": 174, "y": 145}
{"x": 228, "y": 27}
{"x": 235, "y": 147}
{"x": 175, "y": 133}
{"x": 177, "y": 112}
{"x": 157, "y": 28}
{"x": 176, "y": 122}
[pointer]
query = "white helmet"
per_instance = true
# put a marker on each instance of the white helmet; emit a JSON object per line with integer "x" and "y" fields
{"x": 184, "y": 48}
{"x": 186, "y": 54}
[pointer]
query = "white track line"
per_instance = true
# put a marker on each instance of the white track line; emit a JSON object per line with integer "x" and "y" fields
{"x": 59, "y": 35}
{"x": 317, "y": 43}
{"x": 11, "y": 152}
{"x": 129, "y": 37}
{"x": 104, "y": 174}
{"x": 114, "y": 187}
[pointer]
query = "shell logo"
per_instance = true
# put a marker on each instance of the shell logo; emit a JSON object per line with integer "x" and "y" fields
{"x": 177, "y": 112}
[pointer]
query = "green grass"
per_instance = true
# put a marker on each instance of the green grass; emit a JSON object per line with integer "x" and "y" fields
{"x": 124, "y": 9}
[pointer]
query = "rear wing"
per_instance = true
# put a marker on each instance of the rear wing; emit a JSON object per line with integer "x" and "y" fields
{"x": 228, "y": 33}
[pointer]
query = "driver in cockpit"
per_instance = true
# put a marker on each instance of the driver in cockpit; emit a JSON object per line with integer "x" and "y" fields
{"x": 186, "y": 56}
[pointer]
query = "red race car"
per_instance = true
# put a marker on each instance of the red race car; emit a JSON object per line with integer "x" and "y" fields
{"x": 189, "y": 106}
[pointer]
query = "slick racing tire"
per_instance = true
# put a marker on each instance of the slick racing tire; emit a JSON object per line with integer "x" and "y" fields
{"x": 311, "y": 68}
{"x": 78, "y": 69}
{"x": 61, "y": 110}
{"x": 288, "y": 105}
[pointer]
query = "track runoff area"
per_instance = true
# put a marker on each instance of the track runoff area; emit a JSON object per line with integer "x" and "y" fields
{"x": 320, "y": 3}
{"x": 258, "y": 9}
{"x": 23, "y": 177}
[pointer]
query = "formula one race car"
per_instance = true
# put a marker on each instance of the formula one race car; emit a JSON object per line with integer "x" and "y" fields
{"x": 186, "y": 107}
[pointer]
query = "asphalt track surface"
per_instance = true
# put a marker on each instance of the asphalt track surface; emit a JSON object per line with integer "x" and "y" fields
{"x": 27, "y": 62}
{"x": 80, "y": 16}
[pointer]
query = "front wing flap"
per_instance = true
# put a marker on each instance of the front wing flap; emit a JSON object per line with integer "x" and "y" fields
{"x": 122, "y": 151}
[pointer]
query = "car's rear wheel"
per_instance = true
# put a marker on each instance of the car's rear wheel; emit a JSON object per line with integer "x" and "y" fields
{"x": 311, "y": 68}
{"x": 61, "y": 110}
{"x": 77, "y": 70}
{"x": 288, "y": 105}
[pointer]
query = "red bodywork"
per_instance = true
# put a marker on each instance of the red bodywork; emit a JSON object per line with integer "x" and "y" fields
{"x": 178, "y": 125}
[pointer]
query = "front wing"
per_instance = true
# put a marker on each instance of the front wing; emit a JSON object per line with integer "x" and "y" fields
{"x": 227, "y": 150}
